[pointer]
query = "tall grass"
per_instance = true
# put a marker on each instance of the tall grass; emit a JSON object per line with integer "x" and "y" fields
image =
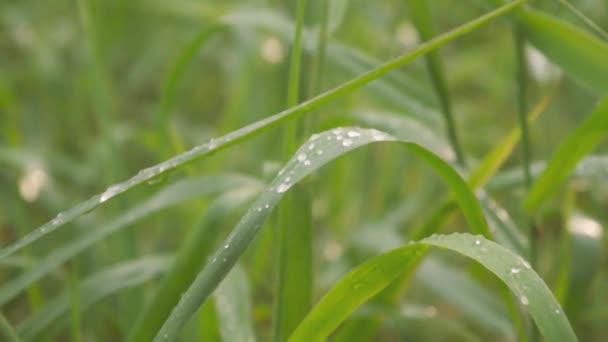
{"x": 322, "y": 227}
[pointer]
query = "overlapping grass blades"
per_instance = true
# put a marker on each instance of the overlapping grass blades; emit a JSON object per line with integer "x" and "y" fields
{"x": 230, "y": 139}
{"x": 318, "y": 151}
{"x": 576, "y": 51}
{"x": 171, "y": 195}
{"x": 370, "y": 278}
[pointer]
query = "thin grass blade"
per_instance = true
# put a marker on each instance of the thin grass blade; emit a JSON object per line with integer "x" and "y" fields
{"x": 230, "y": 139}
{"x": 581, "y": 142}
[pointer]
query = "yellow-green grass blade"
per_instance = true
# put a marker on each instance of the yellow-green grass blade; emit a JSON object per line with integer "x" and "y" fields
{"x": 580, "y": 143}
{"x": 370, "y": 278}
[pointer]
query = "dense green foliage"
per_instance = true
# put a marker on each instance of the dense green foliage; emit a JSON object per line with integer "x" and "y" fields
{"x": 251, "y": 178}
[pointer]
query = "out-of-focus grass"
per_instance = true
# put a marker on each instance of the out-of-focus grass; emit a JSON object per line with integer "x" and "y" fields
{"x": 90, "y": 95}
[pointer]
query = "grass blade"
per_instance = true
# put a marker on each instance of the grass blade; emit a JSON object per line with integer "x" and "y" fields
{"x": 370, "y": 278}
{"x": 576, "y": 51}
{"x": 293, "y": 233}
{"x": 320, "y": 150}
{"x": 190, "y": 257}
{"x": 584, "y": 138}
{"x": 94, "y": 288}
{"x": 246, "y": 132}
{"x": 421, "y": 17}
{"x": 7, "y": 330}
{"x": 171, "y": 195}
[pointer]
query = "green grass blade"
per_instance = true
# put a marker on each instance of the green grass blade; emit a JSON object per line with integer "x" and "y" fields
{"x": 174, "y": 194}
{"x": 579, "y": 53}
{"x": 215, "y": 145}
{"x": 318, "y": 151}
{"x": 370, "y": 278}
{"x": 582, "y": 17}
{"x": 295, "y": 285}
{"x": 293, "y": 233}
{"x": 7, "y": 330}
{"x": 582, "y": 141}
{"x": 592, "y": 167}
{"x": 190, "y": 257}
{"x": 421, "y": 16}
{"x": 233, "y": 305}
{"x": 55, "y": 314}
{"x": 185, "y": 57}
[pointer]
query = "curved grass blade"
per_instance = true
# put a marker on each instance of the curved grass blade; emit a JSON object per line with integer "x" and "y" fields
{"x": 233, "y": 306}
{"x": 318, "y": 151}
{"x": 370, "y": 278}
{"x": 191, "y": 255}
{"x": 94, "y": 288}
{"x": 171, "y": 195}
{"x": 249, "y": 131}
{"x": 584, "y": 138}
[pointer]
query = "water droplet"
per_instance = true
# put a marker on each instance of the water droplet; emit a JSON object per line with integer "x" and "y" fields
{"x": 515, "y": 270}
{"x": 339, "y": 137}
{"x": 226, "y": 246}
{"x": 311, "y": 146}
{"x": 301, "y": 157}
{"x": 259, "y": 209}
{"x": 109, "y": 193}
{"x": 319, "y": 152}
{"x": 556, "y": 311}
{"x": 337, "y": 131}
{"x": 477, "y": 242}
{"x": 353, "y": 134}
{"x": 347, "y": 142}
{"x": 307, "y": 162}
{"x": 524, "y": 300}
{"x": 287, "y": 179}
{"x": 526, "y": 264}
{"x": 283, "y": 187}
{"x": 267, "y": 206}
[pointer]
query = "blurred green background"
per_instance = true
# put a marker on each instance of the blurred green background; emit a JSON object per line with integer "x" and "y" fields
{"x": 81, "y": 107}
